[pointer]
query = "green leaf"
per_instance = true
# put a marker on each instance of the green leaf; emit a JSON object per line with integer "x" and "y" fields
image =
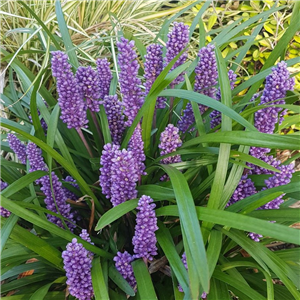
{"x": 115, "y": 213}
{"x": 49, "y": 296}
{"x": 41, "y": 292}
{"x": 52, "y": 130}
{"x": 165, "y": 241}
{"x": 104, "y": 125}
{"x": 245, "y": 289}
{"x": 118, "y": 279}
{"x": 36, "y": 244}
{"x": 65, "y": 35}
{"x": 21, "y": 183}
{"x": 252, "y": 160}
{"x": 207, "y": 101}
{"x": 144, "y": 283}
{"x": 99, "y": 285}
{"x": 256, "y": 139}
{"x": 239, "y": 221}
{"x": 217, "y": 188}
{"x": 261, "y": 253}
{"x": 189, "y": 223}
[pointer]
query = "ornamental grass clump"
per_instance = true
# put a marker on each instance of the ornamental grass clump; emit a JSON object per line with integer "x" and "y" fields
{"x": 151, "y": 153}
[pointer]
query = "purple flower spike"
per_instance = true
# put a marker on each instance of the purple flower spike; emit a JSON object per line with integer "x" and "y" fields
{"x": 244, "y": 189}
{"x": 4, "y": 212}
{"x": 277, "y": 84}
{"x": 73, "y": 108}
{"x": 205, "y": 81}
{"x": 282, "y": 178}
{"x": 113, "y": 110}
{"x": 119, "y": 174}
{"x": 178, "y": 39}
{"x": 34, "y": 155}
{"x": 78, "y": 265}
{"x": 169, "y": 142}
{"x": 104, "y": 75}
{"x": 153, "y": 66}
{"x": 206, "y": 72}
{"x": 136, "y": 145}
{"x": 16, "y": 145}
{"x": 124, "y": 176}
{"x": 123, "y": 265}
{"x": 129, "y": 82}
{"x": 144, "y": 240}
{"x": 89, "y": 85}
{"x": 105, "y": 179}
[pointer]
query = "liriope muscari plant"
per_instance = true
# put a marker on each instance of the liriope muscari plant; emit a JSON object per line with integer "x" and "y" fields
{"x": 132, "y": 190}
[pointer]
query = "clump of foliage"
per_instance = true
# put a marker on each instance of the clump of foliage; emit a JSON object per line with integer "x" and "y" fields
{"x": 147, "y": 175}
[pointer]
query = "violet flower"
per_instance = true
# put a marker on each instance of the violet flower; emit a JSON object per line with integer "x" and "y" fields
{"x": 277, "y": 84}
{"x": 178, "y": 39}
{"x": 136, "y": 145}
{"x": 144, "y": 240}
{"x": 129, "y": 82}
{"x": 89, "y": 85}
{"x": 119, "y": 174}
{"x": 153, "y": 67}
{"x": 205, "y": 81}
{"x": 104, "y": 75}
{"x": 123, "y": 265}
{"x": 169, "y": 142}
{"x": 18, "y": 147}
{"x": 73, "y": 108}
{"x": 116, "y": 123}
{"x": 78, "y": 265}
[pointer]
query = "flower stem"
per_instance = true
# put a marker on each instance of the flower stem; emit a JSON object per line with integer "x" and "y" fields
{"x": 94, "y": 117}
{"x": 85, "y": 142}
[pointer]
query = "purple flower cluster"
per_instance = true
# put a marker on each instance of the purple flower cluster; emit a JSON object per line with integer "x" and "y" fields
{"x": 178, "y": 39}
{"x": 78, "y": 265}
{"x": 18, "y": 147}
{"x": 153, "y": 67}
{"x": 4, "y": 212}
{"x": 244, "y": 189}
{"x": 129, "y": 82}
{"x": 104, "y": 75}
{"x": 169, "y": 142}
{"x": 205, "y": 82}
{"x": 36, "y": 162}
{"x": 113, "y": 110}
{"x": 73, "y": 108}
{"x": 206, "y": 72}
{"x": 277, "y": 84}
{"x": 56, "y": 200}
{"x": 119, "y": 174}
{"x": 89, "y": 86}
{"x": 136, "y": 145}
{"x": 123, "y": 265}
{"x": 108, "y": 154}
{"x": 282, "y": 178}
{"x": 144, "y": 240}
{"x": 215, "y": 115}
